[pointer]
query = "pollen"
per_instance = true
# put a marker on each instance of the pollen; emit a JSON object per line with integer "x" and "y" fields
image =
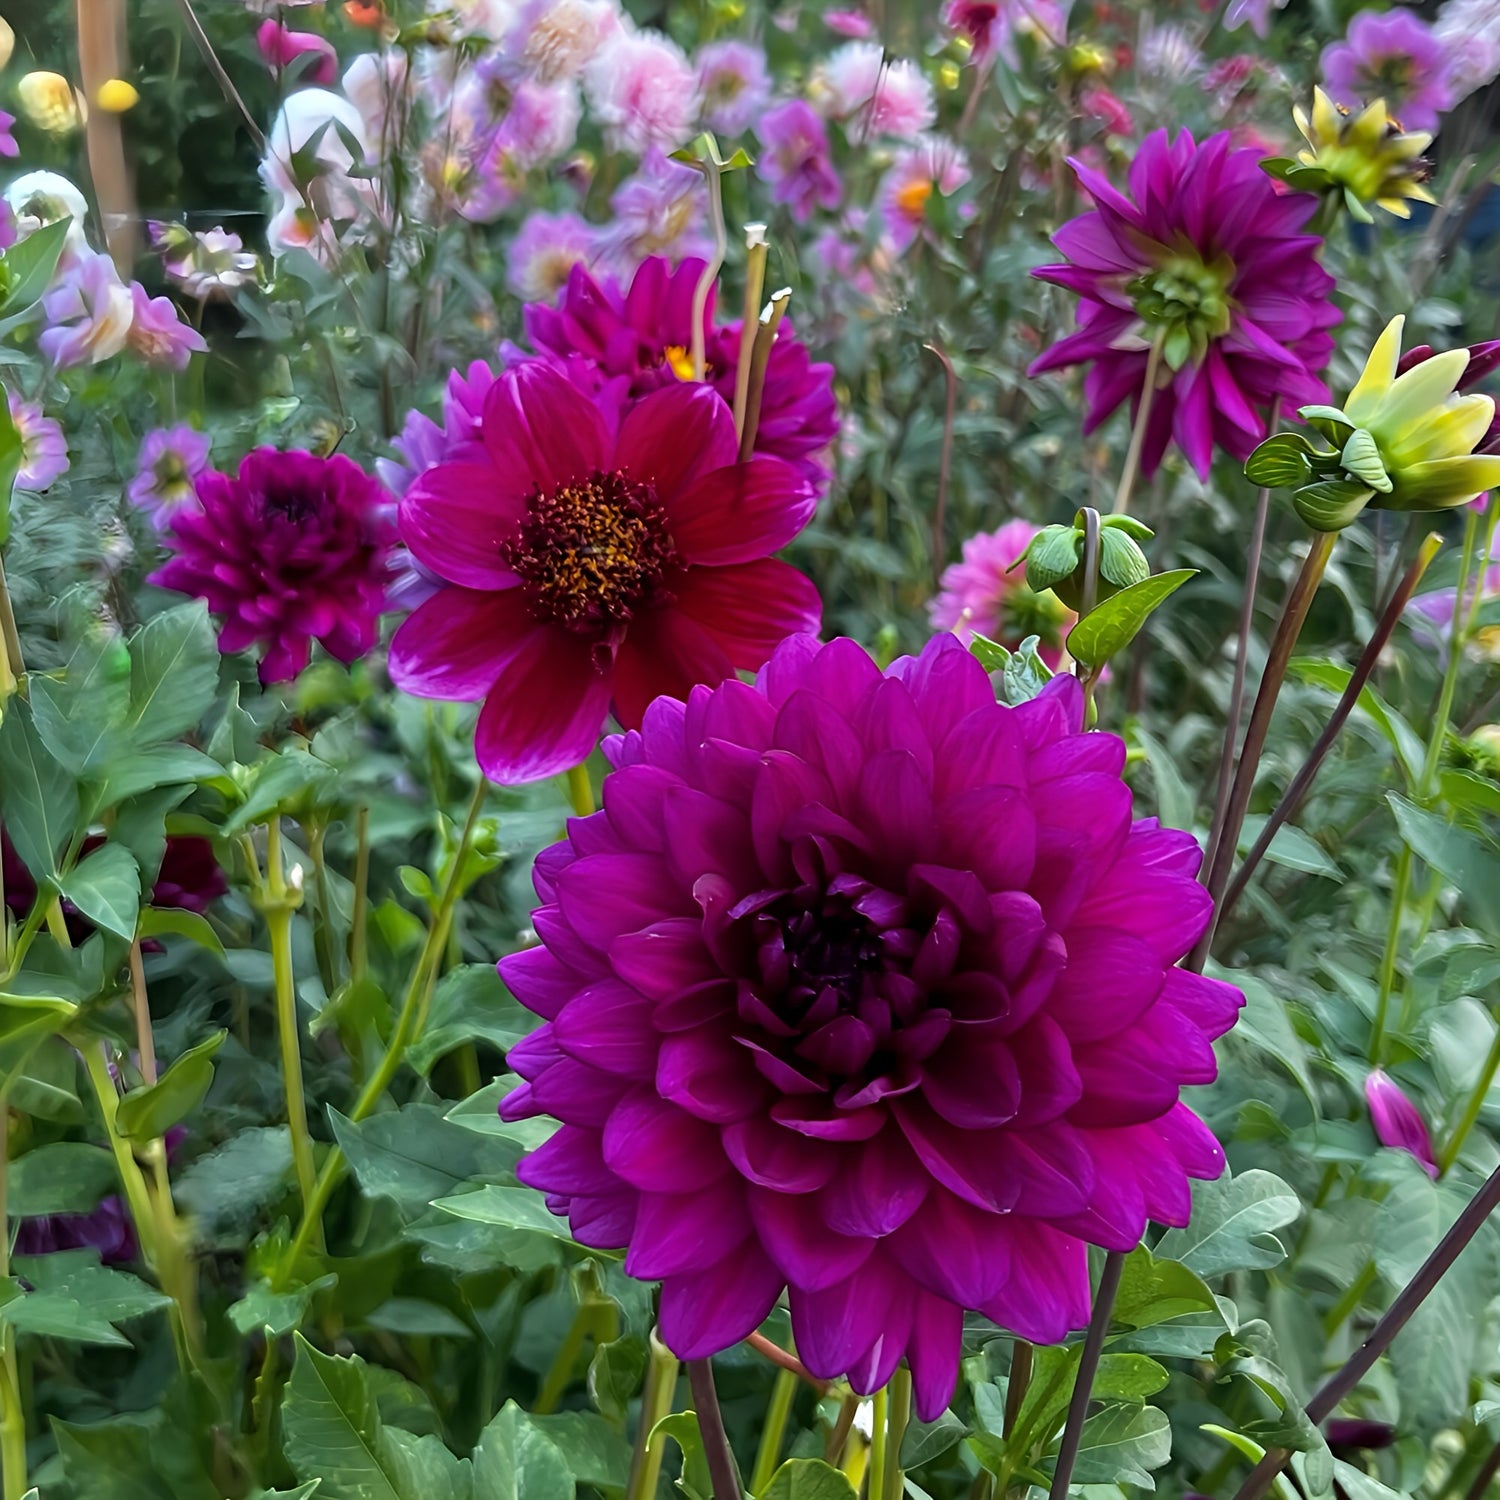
{"x": 679, "y": 361}
{"x": 591, "y": 553}
{"x": 912, "y": 198}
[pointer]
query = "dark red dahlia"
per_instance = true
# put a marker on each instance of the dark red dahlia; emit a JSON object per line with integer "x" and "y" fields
{"x": 1210, "y": 265}
{"x": 592, "y": 565}
{"x": 290, "y": 550}
{"x": 638, "y": 340}
{"x": 861, "y": 986}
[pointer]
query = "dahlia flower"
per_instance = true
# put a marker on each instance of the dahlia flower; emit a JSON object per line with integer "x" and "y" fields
{"x": 44, "y": 449}
{"x": 290, "y": 550}
{"x": 875, "y": 96}
{"x": 661, "y": 209}
{"x": 643, "y": 91}
{"x": 555, "y": 39}
{"x": 1168, "y": 55}
{"x": 854, "y": 24}
{"x": 862, "y": 987}
{"x": 1257, "y": 12}
{"x": 544, "y": 252}
{"x": 1394, "y": 56}
{"x": 991, "y": 26}
{"x": 733, "y": 83}
{"x": 987, "y": 593}
{"x": 88, "y": 312}
{"x": 210, "y": 263}
{"x": 593, "y": 565}
{"x": 1209, "y": 265}
{"x": 1367, "y": 156}
{"x": 626, "y": 343}
{"x": 50, "y": 102}
{"x": 1470, "y": 30}
{"x": 158, "y": 334}
{"x": 423, "y": 443}
{"x": 167, "y": 468}
{"x": 797, "y": 164}
{"x": 280, "y": 46}
{"x": 934, "y": 165}
{"x": 1397, "y": 1121}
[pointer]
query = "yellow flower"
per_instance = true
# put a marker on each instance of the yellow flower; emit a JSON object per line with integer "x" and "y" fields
{"x": 7, "y": 41}
{"x": 1368, "y": 156}
{"x": 49, "y": 102}
{"x": 115, "y": 96}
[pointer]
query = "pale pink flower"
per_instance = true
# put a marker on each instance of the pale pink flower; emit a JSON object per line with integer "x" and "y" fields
{"x": 545, "y": 249}
{"x": 157, "y": 332}
{"x": 44, "y": 449}
{"x": 873, "y": 96}
{"x": 643, "y": 91}
{"x": 89, "y": 314}
{"x": 552, "y": 40}
{"x": 378, "y": 85}
{"x": 542, "y": 122}
{"x": 661, "y": 210}
{"x": 734, "y": 83}
{"x": 854, "y": 24}
{"x": 213, "y": 262}
{"x": 933, "y": 165}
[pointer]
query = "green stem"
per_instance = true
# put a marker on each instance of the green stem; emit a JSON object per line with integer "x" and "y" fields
{"x": 710, "y": 273}
{"x": 581, "y": 790}
{"x": 773, "y": 1433}
{"x": 656, "y": 1402}
{"x": 10, "y": 636}
{"x": 413, "y": 1006}
{"x": 279, "y": 901}
{"x": 1354, "y": 1294}
{"x": 358, "y": 923}
{"x": 1449, "y": 1153}
{"x": 559, "y": 1374}
{"x": 1421, "y": 792}
{"x": 897, "y": 1416}
{"x": 12, "y": 1412}
{"x": 1138, "y": 431}
{"x": 879, "y": 1443}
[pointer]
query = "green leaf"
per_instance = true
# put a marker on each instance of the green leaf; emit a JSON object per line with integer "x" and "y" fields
{"x": 158, "y": 921}
{"x": 47, "y": 1088}
{"x": 615, "y": 1374}
{"x": 290, "y": 782}
{"x": 80, "y": 716}
{"x": 990, "y": 655}
{"x": 275, "y": 1314}
{"x": 595, "y": 1453}
{"x": 11, "y": 454}
{"x": 1154, "y": 1289}
{"x": 925, "y": 1441}
{"x": 38, "y": 798}
{"x": 1334, "y": 678}
{"x": 29, "y": 266}
{"x": 65, "y": 1177}
{"x": 106, "y": 887}
{"x": 1127, "y": 1377}
{"x": 515, "y": 1460}
{"x": 26, "y": 1021}
{"x": 148, "y": 1113}
{"x": 470, "y": 1004}
{"x": 1121, "y": 561}
{"x": 808, "y": 1479}
{"x": 1280, "y": 462}
{"x": 509, "y": 1207}
{"x": 682, "y": 1428}
{"x": 1457, "y": 855}
{"x": 1361, "y": 458}
{"x": 73, "y": 1297}
{"x": 1121, "y": 1444}
{"x": 225, "y": 1189}
{"x": 1265, "y": 1024}
{"x": 480, "y": 1112}
{"x": 1114, "y": 623}
{"x": 1232, "y": 1224}
{"x": 174, "y": 673}
{"x": 1330, "y": 421}
{"x": 1331, "y": 504}
{"x": 1291, "y": 848}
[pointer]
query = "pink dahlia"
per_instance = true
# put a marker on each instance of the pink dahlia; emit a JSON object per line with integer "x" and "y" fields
{"x": 593, "y": 563}
{"x": 987, "y": 593}
{"x": 625, "y": 343}
{"x": 1210, "y": 260}
{"x": 797, "y": 163}
{"x": 862, "y": 987}
{"x": 734, "y": 84}
{"x": 874, "y": 95}
{"x": 1393, "y": 56}
{"x": 282, "y": 47}
{"x": 290, "y": 550}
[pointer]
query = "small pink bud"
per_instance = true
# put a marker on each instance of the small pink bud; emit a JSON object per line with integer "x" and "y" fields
{"x": 1396, "y": 1120}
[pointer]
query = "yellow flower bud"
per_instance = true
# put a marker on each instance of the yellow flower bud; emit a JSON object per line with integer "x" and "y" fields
{"x": 49, "y": 102}
{"x": 7, "y": 41}
{"x": 115, "y": 96}
{"x": 949, "y": 75}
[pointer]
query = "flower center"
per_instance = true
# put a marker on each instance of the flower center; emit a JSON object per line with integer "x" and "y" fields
{"x": 289, "y": 502}
{"x": 590, "y": 554}
{"x": 912, "y": 199}
{"x": 679, "y": 361}
{"x": 1187, "y": 300}
{"x": 171, "y": 474}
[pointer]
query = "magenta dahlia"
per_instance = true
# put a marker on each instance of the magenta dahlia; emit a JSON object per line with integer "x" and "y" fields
{"x": 861, "y": 986}
{"x": 632, "y": 341}
{"x": 1209, "y": 260}
{"x": 290, "y": 550}
{"x": 590, "y": 563}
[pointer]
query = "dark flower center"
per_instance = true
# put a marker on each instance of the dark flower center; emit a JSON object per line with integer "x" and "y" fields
{"x": 591, "y": 554}
{"x": 835, "y": 948}
{"x": 290, "y": 502}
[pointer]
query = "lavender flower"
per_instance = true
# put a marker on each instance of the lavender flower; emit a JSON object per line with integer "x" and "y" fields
{"x": 661, "y": 210}
{"x": 544, "y": 251}
{"x": 734, "y": 84}
{"x": 44, "y": 449}
{"x": 796, "y": 162}
{"x": 1394, "y": 56}
{"x": 157, "y": 332}
{"x": 170, "y": 460}
{"x": 88, "y": 314}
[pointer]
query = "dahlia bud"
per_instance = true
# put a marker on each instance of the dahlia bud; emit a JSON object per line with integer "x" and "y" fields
{"x": 1358, "y": 1433}
{"x": 1055, "y": 559}
{"x": 1397, "y": 1122}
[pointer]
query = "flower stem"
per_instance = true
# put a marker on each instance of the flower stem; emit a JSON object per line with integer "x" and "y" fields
{"x": 760, "y": 357}
{"x": 145, "y": 1039}
{"x": 10, "y": 635}
{"x": 1088, "y": 1363}
{"x": 879, "y": 1442}
{"x": 712, "y": 174}
{"x": 560, "y": 1372}
{"x": 279, "y": 900}
{"x": 1449, "y": 1153}
{"x": 898, "y": 1413}
{"x": 1421, "y": 792}
{"x": 756, "y": 252}
{"x": 414, "y": 1005}
{"x": 1291, "y": 799}
{"x": 1482, "y": 1480}
{"x": 1326, "y": 1398}
{"x": 12, "y": 1412}
{"x": 1288, "y": 628}
{"x": 1138, "y": 431}
{"x": 945, "y": 459}
{"x": 721, "y": 1469}
{"x": 656, "y": 1402}
{"x": 773, "y": 1431}
{"x": 1015, "y": 1386}
{"x": 581, "y": 790}
{"x": 359, "y": 921}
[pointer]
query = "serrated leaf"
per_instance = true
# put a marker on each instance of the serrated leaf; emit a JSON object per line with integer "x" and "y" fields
{"x": 73, "y": 1297}
{"x": 470, "y": 1004}
{"x": 26, "y": 1021}
{"x": 1233, "y": 1224}
{"x": 594, "y": 1452}
{"x": 105, "y": 886}
{"x": 808, "y": 1479}
{"x": 1280, "y": 462}
{"x": 147, "y": 1113}
{"x": 1331, "y": 504}
{"x": 1114, "y": 623}
{"x": 226, "y": 1188}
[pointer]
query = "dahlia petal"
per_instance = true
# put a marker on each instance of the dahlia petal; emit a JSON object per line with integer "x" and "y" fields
{"x": 605, "y": 1222}
{"x": 541, "y": 431}
{"x": 674, "y": 435}
{"x": 951, "y": 1248}
{"x": 751, "y": 607}
{"x": 933, "y": 1350}
{"x": 886, "y": 718}
{"x": 946, "y": 684}
{"x": 539, "y": 980}
{"x": 1211, "y": 1004}
{"x": 973, "y": 1082}
{"x": 1054, "y": 1169}
{"x": 874, "y": 1368}
{"x": 456, "y": 518}
{"x": 835, "y": 1325}
{"x": 765, "y": 1153}
{"x": 1047, "y": 1295}
{"x": 709, "y": 1311}
{"x": 572, "y": 1091}
{"x": 991, "y": 831}
{"x": 604, "y": 896}
{"x": 788, "y": 666}
{"x": 806, "y": 1117}
{"x": 1167, "y": 913}
{"x": 1116, "y": 1215}
{"x": 814, "y": 731}
{"x": 544, "y": 712}
{"x": 878, "y": 1188}
{"x": 1045, "y": 1061}
{"x": 785, "y": 784}
{"x": 703, "y": 1072}
{"x": 1191, "y": 1142}
{"x": 664, "y": 957}
{"x": 686, "y": 1232}
{"x": 895, "y": 799}
{"x": 984, "y": 750}
{"x": 1055, "y": 712}
{"x": 633, "y": 799}
{"x": 1097, "y": 753}
{"x": 962, "y": 1163}
{"x": 608, "y": 1026}
{"x": 844, "y": 674}
{"x": 706, "y": 834}
{"x": 535, "y": 1053}
{"x": 1110, "y": 980}
{"x": 1192, "y": 424}
{"x": 569, "y": 1162}
{"x": 806, "y": 1252}
{"x": 665, "y": 653}
{"x": 658, "y": 1147}
{"x": 740, "y": 512}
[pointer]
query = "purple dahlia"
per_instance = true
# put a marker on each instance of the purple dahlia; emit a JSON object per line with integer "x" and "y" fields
{"x": 290, "y": 550}
{"x": 862, "y": 986}
{"x": 591, "y": 561}
{"x": 628, "y": 342}
{"x": 1208, "y": 260}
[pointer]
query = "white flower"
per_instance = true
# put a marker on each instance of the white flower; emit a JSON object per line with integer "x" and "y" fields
{"x": 1470, "y": 29}
{"x": 38, "y": 198}
{"x": 324, "y": 123}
